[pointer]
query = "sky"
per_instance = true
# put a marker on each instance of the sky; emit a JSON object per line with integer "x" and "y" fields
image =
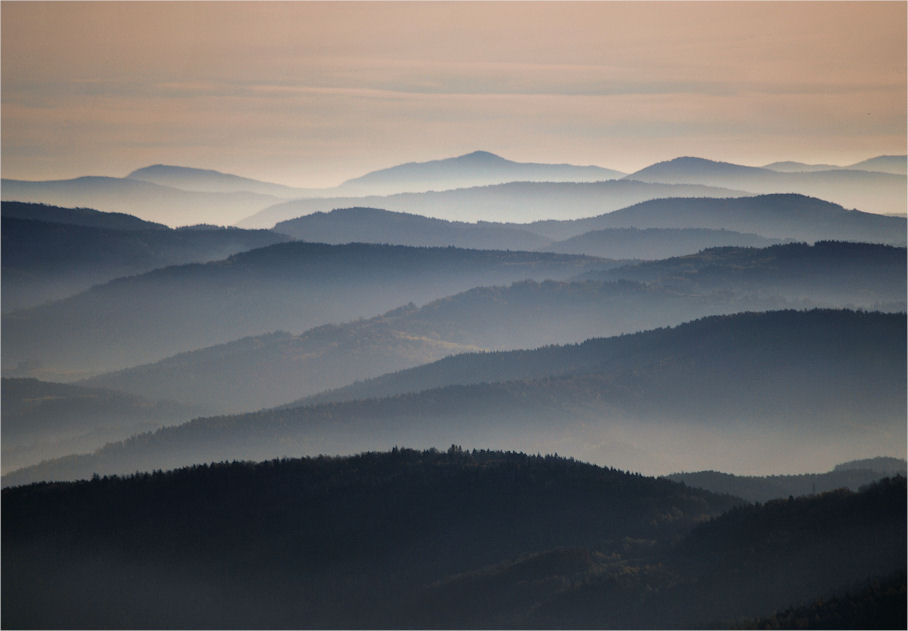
{"x": 311, "y": 94}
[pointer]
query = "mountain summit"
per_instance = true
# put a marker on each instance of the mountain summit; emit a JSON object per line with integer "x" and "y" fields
{"x": 478, "y": 168}
{"x": 869, "y": 191}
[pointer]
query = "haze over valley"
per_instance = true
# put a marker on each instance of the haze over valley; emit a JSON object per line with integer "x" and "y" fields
{"x": 453, "y": 315}
{"x": 727, "y": 337}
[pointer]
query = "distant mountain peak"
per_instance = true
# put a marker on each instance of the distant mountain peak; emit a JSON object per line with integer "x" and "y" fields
{"x": 691, "y": 165}
{"x": 172, "y": 169}
{"x": 481, "y": 155}
{"x": 477, "y": 168}
{"x": 692, "y": 160}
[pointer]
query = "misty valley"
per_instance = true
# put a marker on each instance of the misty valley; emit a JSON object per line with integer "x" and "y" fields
{"x": 463, "y": 393}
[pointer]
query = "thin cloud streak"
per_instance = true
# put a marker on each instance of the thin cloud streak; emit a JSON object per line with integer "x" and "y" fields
{"x": 317, "y": 92}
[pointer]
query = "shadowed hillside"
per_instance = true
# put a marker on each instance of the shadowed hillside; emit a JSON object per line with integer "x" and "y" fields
{"x": 848, "y": 274}
{"x": 269, "y": 370}
{"x": 461, "y": 539}
{"x": 76, "y": 216}
{"x": 272, "y": 369}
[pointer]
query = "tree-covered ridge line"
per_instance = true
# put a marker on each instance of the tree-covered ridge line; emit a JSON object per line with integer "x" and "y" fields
{"x": 407, "y": 538}
{"x": 872, "y": 604}
{"x": 716, "y": 334}
{"x": 287, "y": 286}
{"x": 772, "y": 379}
{"x": 268, "y": 370}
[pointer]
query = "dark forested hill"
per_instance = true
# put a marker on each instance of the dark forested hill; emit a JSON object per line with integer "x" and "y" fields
{"x": 779, "y": 216}
{"x": 751, "y": 391}
{"x": 288, "y": 286}
{"x": 44, "y": 420}
{"x": 851, "y": 475}
{"x": 759, "y": 559}
{"x": 462, "y": 539}
{"x": 46, "y": 260}
{"x": 723, "y": 335}
{"x": 76, "y": 216}
{"x": 877, "y": 603}
{"x": 842, "y": 273}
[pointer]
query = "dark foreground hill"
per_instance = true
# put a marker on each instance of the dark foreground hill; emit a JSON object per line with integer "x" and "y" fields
{"x": 427, "y": 540}
{"x": 288, "y": 286}
{"x": 753, "y": 392}
{"x": 872, "y": 604}
{"x": 851, "y": 475}
{"x": 47, "y": 260}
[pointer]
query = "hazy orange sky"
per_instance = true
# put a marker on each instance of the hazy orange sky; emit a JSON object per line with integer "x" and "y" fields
{"x": 313, "y": 93}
